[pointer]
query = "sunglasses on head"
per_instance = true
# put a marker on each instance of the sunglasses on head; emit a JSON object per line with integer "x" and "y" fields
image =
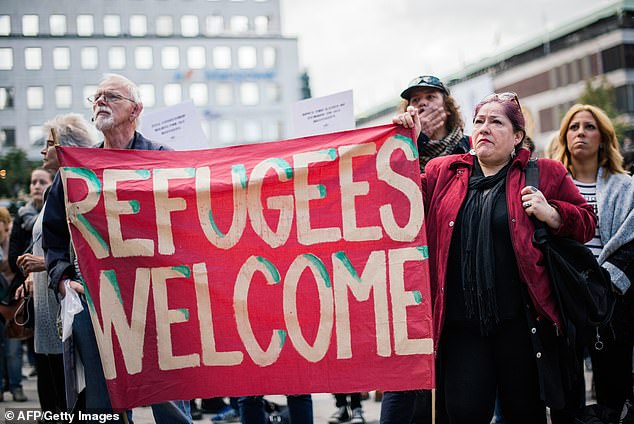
{"x": 505, "y": 97}
{"x": 427, "y": 79}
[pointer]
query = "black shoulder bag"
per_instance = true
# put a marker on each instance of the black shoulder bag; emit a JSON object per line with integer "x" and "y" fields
{"x": 582, "y": 288}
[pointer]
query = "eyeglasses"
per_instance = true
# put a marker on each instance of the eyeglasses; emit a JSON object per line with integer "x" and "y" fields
{"x": 108, "y": 98}
{"x": 508, "y": 96}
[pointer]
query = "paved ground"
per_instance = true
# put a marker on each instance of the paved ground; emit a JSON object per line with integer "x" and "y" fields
{"x": 323, "y": 405}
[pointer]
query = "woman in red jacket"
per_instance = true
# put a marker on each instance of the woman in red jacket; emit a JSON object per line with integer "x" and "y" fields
{"x": 483, "y": 264}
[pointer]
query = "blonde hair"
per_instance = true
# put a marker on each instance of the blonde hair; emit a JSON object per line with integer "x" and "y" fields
{"x": 72, "y": 129}
{"x": 609, "y": 156}
{"x": 5, "y": 216}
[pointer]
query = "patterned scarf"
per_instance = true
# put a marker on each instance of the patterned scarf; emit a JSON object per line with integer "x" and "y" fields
{"x": 434, "y": 148}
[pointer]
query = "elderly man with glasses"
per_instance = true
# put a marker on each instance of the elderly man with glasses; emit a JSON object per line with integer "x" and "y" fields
{"x": 116, "y": 107}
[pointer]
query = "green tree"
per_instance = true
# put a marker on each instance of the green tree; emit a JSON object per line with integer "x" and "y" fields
{"x": 602, "y": 95}
{"x": 15, "y": 173}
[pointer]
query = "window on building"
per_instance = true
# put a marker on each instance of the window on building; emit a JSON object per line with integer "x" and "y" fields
{"x": 63, "y": 96}
{"x": 247, "y": 57}
{"x": 30, "y": 25}
{"x": 61, "y": 58}
{"x": 5, "y": 25}
{"x": 252, "y": 131}
{"x": 239, "y": 24}
{"x": 57, "y": 24}
{"x": 249, "y": 94}
{"x": 143, "y": 57}
{"x": 196, "y": 57}
{"x": 36, "y": 138}
{"x": 116, "y": 57}
{"x": 586, "y": 70}
{"x": 215, "y": 25}
{"x": 222, "y": 57}
{"x": 261, "y": 24}
{"x": 147, "y": 95}
{"x": 198, "y": 92}
{"x": 138, "y": 25}
{"x": 172, "y": 94}
{"x": 269, "y": 57}
{"x": 33, "y": 58}
{"x": 85, "y": 25}
{"x": 88, "y": 91}
{"x": 6, "y": 59}
{"x": 7, "y": 96}
{"x": 112, "y": 25}
{"x": 271, "y": 92}
{"x": 226, "y": 131}
{"x": 89, "y": 57}
{"x": 224, "y": 94}
{"x": 189, "y": 26}
{"x": 7, "y": 137}
{"x": 170, "y": 58}
{"x": 164, "y": 26}
{"x": 35, "y": 97}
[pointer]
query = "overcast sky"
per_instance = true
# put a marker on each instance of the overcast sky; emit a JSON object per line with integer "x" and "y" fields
{"x": 375, "y": 47}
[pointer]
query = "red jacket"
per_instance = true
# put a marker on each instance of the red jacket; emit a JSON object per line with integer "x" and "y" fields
{"x": 445, "y": 185}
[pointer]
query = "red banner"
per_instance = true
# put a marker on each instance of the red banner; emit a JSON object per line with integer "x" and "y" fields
{"x": 278, "y": 268}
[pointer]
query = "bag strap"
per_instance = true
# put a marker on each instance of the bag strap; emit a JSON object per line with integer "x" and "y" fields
{"x": 532, "y": 179}
{"x": 532, "y": 173}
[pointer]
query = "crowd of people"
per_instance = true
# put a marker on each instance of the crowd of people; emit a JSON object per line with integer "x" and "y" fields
{"x": 488, "y": 282}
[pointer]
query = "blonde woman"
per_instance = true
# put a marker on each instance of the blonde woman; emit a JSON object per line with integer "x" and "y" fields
{"x": 588, "y": 148}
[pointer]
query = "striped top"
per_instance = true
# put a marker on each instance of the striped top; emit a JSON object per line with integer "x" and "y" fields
{"x": 589, "y": 192}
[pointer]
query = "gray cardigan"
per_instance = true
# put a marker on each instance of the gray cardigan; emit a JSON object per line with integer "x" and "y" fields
{"x": 615, "y": 202}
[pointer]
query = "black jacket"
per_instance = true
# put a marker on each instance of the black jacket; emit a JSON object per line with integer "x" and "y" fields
{"x": 55, "y": 233}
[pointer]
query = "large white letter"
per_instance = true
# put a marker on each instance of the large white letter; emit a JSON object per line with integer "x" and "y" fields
{"x": 115, "y": 207}
{"x": 373, "y": 279}
{"x": 165, "y": 317}
{"x": 165, "y": 205}
{"x": 305, "y": 192}
{"x": 283, "y": 203}
{"x": 241, "y": 309}
{"x": 210, "y": 355}
{"x": 350, "y": 190}
{"x": 131, "y": 336}
{"x": 319, "y": 349}
{"x": 405, "y": 185}
{"x": 401, "y": 299}
{"x": 76, "y": 210}
{"x": 206, "y": 214}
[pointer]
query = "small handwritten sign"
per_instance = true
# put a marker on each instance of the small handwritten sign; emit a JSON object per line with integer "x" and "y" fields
{"x": 322, "y": 115}
{"x": 177, "y": 126}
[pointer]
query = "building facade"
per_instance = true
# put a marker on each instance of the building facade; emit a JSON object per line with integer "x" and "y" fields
{"x": 228, "y": 56}
{"x": 550, "y": 72}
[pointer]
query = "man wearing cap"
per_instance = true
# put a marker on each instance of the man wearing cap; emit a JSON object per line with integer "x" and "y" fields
{"x": 442, "y": 133}
{"x": 442, "y": 127}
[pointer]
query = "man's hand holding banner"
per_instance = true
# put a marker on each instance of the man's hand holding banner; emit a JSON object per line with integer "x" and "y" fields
{"x": 277, "y": 268}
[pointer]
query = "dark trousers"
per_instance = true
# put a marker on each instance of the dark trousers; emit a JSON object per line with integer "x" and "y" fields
{"x": 341, "y": 399}
{"x": 406, "y": 407}
{"x": 300, "y": 408}
{"x": 475, "y": 369}
{"x": 612, "y": 372}
{"x": 50, "y": 382}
